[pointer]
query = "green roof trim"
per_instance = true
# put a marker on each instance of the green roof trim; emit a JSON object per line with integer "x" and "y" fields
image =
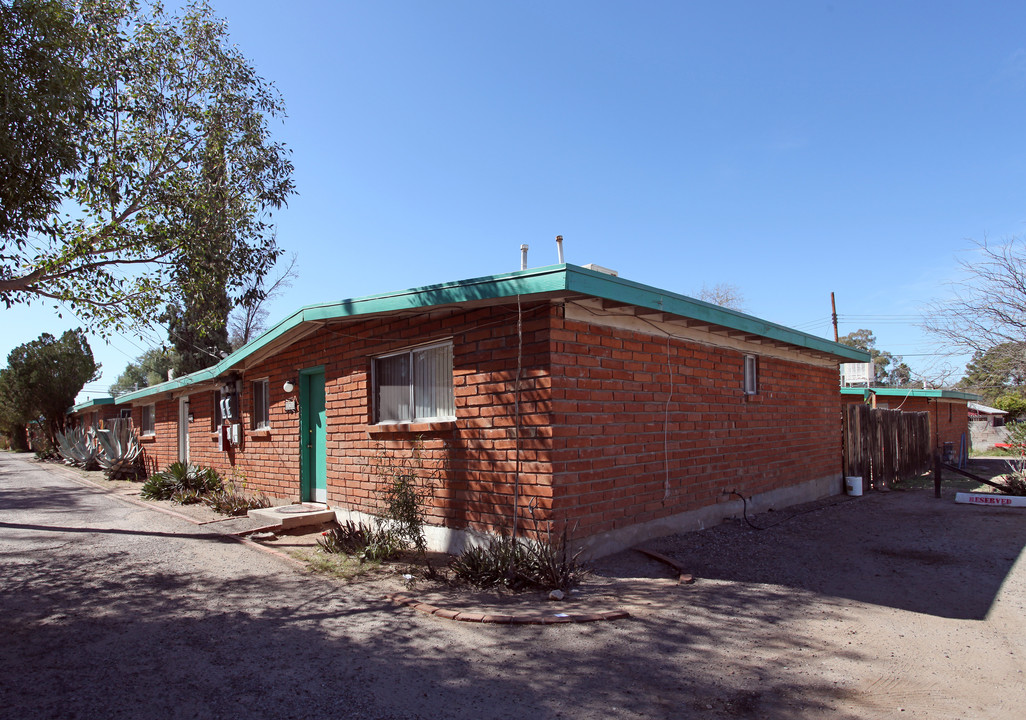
{"x": 550, "y": 279}
{"x": 617, "y": 289}
{"x": 91, "y": 404}
{"x": 913, "y": 392}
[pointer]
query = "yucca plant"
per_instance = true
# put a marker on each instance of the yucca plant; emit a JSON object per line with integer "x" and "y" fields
{"x": 119, "y": 449}
{"x": 78, "y": 447}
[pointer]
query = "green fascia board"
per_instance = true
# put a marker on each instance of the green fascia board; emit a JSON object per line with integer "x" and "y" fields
{"x": 171, "y": 385}
{"x": 550, "y": 279}
{"x": 913, "y": 392}
{"x": 90, "y": 404}
{"x": 609, "y": 287}
{"x": 524, "y": 282}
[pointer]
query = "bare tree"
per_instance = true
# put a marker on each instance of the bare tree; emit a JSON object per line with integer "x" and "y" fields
{"x": 248, "y": 320}
{"x": 724, "y": 295}
{"x": 988, "y": 307}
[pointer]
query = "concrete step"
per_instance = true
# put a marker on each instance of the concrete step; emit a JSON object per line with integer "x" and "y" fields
{"x": 294, "y": 516}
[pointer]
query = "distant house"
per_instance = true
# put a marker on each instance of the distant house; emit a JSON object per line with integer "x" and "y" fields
{"x": 987, "y": 425}
{"x": 97, "y": 412}
{"x": 948, "y": 410}
{"x": 993, "y": 417}
{"x": 563, "y": 395}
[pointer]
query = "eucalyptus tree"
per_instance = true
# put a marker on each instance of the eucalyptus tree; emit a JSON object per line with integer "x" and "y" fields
{"x": 44, "y": 97}
{"x": 167, "y": 92}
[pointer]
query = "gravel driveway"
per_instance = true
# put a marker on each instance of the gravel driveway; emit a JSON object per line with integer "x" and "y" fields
{"x": 891, "y": 605}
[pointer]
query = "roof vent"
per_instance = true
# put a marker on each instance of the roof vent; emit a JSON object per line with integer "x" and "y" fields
{"x": 599, "y": 268}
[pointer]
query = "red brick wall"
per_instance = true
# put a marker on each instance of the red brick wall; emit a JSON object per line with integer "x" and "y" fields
{"x": 617, "y": 405}
{"x": 473, "y": 459}
{"x": 161, "y": 448}
{"x": 592, "y": 405}
{"x": 97, "y": 417}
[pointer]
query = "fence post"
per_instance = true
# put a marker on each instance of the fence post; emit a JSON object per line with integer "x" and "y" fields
{"x": 936, "y": 474}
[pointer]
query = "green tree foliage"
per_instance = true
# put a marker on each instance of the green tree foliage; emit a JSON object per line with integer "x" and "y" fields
{"x": 1014, "y": 403}
{"x": 44, "y": 99}
{"x": 15, "y": 413}
{"x": 150, "y": 368}
{"x": 998, "y": 372}
{"x": 176, "y": 155}
{"x": 196, "y": 346}
{"x": 898, "y": 375}
{"x": 197, "y": 320}
{"x": 43, "y": 377}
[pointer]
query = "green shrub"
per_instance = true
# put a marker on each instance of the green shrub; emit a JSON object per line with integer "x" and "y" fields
{"x": 404, "y": 514}
{"x": 159, "y": 486}
{"x": 185, "y": 484}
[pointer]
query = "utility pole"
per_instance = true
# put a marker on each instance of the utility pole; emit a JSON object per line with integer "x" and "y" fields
{"x": 833, "y": 314}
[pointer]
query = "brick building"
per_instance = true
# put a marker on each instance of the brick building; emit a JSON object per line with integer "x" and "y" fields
{"x": 95, "y": 413}
{"x": 560, "y": 395}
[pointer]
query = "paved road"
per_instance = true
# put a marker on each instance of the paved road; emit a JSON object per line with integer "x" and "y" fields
{"x": 110, "y": 610}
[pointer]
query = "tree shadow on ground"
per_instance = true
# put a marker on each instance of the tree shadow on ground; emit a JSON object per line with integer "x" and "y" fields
{"x": 116, "y": 635}
{"x": 906, "y": 550}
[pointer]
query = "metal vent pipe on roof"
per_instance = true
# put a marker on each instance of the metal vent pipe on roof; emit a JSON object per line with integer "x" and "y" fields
{"x": 559, "y": 248}
{"x": 523, "y": 257}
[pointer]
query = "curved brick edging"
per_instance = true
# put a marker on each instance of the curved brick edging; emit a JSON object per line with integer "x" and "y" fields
{"x": 496, "y": 619}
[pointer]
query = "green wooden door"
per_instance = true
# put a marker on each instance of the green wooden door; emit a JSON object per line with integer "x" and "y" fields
{"x": 313, "y": 436}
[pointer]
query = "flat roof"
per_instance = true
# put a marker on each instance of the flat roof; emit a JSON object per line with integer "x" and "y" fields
{"x": 913, "y": 392}
{"x": 554, "y": 281}
{"x": 986, "y": 409}
{"x": 91, "y": 404}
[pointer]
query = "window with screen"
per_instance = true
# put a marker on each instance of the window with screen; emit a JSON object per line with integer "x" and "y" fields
{"x": 414, "y": 385}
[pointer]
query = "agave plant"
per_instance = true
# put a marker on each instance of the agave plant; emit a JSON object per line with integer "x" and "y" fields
{"x": 119, "y": 449}
{"x": 181, "y": 483}
{"x": 78, "y": 447}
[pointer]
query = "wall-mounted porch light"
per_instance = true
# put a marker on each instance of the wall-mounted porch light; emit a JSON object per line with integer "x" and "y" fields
{"x": 289, "y": 387}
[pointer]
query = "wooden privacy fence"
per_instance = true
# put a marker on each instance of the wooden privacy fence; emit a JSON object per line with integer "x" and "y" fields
{"x": 883, "y": 446}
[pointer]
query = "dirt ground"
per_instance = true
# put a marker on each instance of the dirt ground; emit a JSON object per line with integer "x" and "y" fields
{"x": 895, "y": 604}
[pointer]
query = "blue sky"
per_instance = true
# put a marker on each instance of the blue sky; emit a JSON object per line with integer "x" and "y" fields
{"x": 790, "y": 149}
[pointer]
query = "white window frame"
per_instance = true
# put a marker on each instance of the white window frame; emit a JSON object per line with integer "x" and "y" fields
{"x": 751, "y": 375}
{"x": 441, "y": 414}
{"x": 262, "y": 391}
{"x": 148, "y": 420}
{"x": 125, "y": 413}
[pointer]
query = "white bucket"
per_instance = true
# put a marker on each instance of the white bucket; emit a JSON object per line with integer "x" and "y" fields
{"x": 853, "y": 485}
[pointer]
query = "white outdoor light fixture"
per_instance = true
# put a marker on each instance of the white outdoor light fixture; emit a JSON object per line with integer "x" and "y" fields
{"x": 289, "y": 386}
